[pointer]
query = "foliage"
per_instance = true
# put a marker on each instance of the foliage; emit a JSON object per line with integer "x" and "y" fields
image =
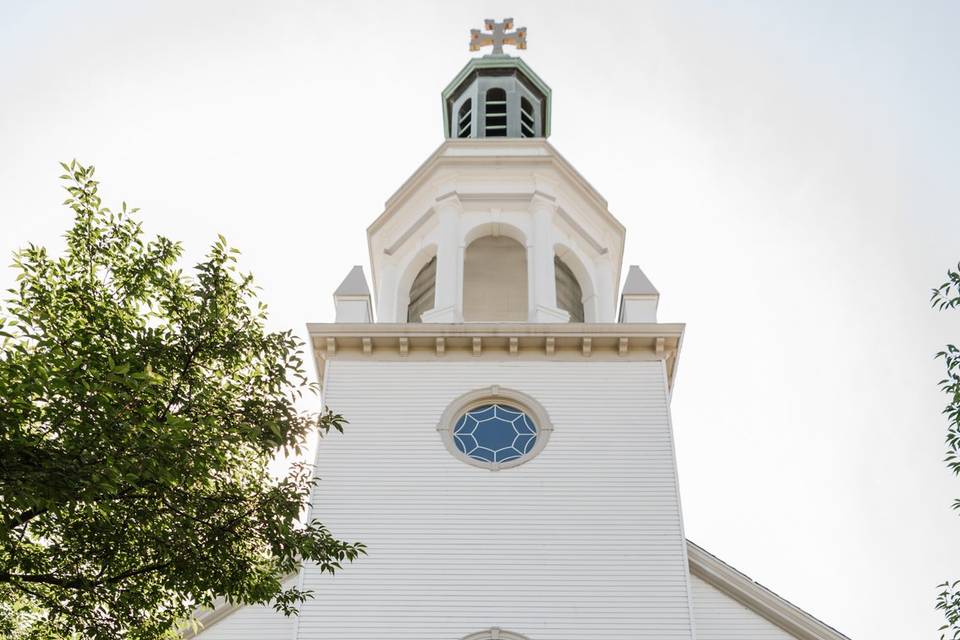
{"x": 947, "y": 296}
{"x": 139, "y": 410}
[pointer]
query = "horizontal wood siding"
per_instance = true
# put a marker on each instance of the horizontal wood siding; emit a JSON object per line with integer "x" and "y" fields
{"x": 255, "y": 622}
{"x": 720, "y": 617}
{"x": 584, "y": 541}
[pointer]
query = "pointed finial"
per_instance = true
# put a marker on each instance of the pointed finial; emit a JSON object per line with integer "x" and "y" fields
{"x": 499, "y": 36}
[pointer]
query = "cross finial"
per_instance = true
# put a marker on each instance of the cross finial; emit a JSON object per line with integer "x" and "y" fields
{"x": 500, "y": 36}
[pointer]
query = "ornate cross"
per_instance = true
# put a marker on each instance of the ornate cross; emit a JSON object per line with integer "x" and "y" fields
{"x": 501, "y": 35}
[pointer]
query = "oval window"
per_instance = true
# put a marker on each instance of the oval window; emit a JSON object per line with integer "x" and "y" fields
{"x": 495, "y": 428}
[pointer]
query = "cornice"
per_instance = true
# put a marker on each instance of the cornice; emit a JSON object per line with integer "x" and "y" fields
{"x": 498, "y": 341}
{"x": 758, "y": 598}
{"x": 506, "y": 151}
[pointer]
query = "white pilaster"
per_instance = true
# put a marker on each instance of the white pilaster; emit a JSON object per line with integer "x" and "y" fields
{"x": 446, "y": 307}
{"x": 387, "y": 298}
{"x": 543, "y": 294}
{"x": 606, "y": 295}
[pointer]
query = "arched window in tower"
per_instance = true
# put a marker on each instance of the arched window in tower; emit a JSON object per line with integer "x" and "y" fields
{"x": 569, "y": 293}
{"x": 465, "y": 119}
{"x": 495, "y": 280}
{"x": 527, "y": 122}
{"x": 422, "y": 291}
{"x": 496, "y": 110}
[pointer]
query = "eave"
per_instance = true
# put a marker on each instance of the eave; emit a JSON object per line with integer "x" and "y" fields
{"x": 758, "y": 598}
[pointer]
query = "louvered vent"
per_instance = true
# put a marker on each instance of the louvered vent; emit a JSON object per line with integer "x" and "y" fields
{"x": 527, "y": 129}
{"x": 496, "y": 110}
{"x": 465, "y": 119}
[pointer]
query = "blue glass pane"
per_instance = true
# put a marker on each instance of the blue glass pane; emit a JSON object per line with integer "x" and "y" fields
{"x": 467, "y": 424}
{"x": 483, "y": 454}
{"x": 507, "y": 413}
{"x": 483, "y": 413}
{"x": 525, "y": 425}
{"x": 523, "y": 442}
{"x": 466, "y": 443}
{"x": 495, "y": 433}
{"x": 506, "y": 455}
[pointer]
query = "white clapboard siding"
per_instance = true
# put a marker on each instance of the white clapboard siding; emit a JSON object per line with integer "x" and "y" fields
{"x": 254, "y": 622}
{"x": 584, "y": 541}
{"x": 720, "y": 617}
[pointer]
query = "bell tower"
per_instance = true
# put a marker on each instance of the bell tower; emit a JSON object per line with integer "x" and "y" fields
{"x": 496, "y": 225}
{"x": 509, "y": 459}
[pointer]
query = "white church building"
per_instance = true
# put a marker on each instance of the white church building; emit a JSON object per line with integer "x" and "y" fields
{"x": 509, "y": 460}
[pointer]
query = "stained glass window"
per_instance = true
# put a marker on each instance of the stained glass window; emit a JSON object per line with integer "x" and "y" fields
{"x": 495, "y": 433}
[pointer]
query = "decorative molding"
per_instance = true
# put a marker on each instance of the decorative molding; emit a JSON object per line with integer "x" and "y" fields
{"x": 492, "y": 340}
{"x": 566, "y": 217}
{"x": 480, "y": 196}
{"x": 540, "y": 194}
{"x": 422, "y": 220}
{"x": 495, "y": 633}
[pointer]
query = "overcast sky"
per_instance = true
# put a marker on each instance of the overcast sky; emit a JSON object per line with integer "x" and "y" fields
{"x": 787, "y": 173}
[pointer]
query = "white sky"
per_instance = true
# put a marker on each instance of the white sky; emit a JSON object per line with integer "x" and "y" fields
{"x": 786, "y": 173}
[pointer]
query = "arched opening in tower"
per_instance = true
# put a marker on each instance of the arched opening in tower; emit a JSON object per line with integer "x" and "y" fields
{"x": 422, "y": 291}
{"x": 496, "y": 108}
{"x": 569, "y": 293}
{"x": 495, "y": 280}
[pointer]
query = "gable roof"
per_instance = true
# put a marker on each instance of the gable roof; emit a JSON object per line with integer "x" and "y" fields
{"x": 757, "y": 597}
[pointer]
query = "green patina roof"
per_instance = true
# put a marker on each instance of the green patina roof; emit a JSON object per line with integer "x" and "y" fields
{"x": 495, "y": 62}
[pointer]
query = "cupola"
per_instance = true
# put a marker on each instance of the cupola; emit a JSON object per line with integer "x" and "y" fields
{"x": 497, "y": 95}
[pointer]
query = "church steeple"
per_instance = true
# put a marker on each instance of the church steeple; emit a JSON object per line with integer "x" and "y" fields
{"x": 496, "y": 226}
{"x": 497, "y": 95}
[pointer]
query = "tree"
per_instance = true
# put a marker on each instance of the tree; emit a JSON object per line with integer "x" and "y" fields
{"x": 139, "y": 410}
{"x": 947, "y": 296}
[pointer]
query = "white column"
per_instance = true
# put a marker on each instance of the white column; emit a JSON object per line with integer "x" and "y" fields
{"x": 543, "y": 209}
{"x": 446, "y": 306}
{"x": 387, "y": 294}
{"x": 606, "y": 295}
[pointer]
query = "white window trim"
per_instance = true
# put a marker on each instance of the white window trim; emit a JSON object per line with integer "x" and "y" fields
{"x": 495, "y": 633}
